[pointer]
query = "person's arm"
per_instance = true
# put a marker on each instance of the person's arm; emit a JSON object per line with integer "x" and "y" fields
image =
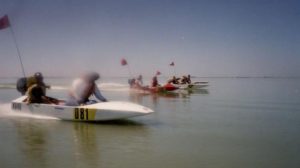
{"x": 45, "y": 85}
{"x": 98, "y": 94}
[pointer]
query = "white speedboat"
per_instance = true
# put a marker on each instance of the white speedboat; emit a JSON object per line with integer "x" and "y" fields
{"x": 100, "y": 111}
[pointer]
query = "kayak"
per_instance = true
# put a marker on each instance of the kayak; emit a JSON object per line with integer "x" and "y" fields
{"x": 99, "y": 111}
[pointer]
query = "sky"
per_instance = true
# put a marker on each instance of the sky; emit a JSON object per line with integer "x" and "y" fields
{"x": 202, "y": 37}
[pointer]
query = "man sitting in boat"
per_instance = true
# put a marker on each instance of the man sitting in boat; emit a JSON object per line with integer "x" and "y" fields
{"x": 139, "y": 83}
{"x": 131, "y": 82}
{"x": 174, "y": 80}
{"x": 154, "y": 82}
{"x": 82, "y": 88}
{"x": 23, "y": 84}
{"x": 139, "y": 80}
{"x": 36, "y": 94}
{"x": 188, "y": 80}
{"x": 136, "y": 83}
{"x": 184, "y": 80}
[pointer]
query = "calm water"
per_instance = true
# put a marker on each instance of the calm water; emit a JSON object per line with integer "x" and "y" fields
{"x": 234, "y": 123}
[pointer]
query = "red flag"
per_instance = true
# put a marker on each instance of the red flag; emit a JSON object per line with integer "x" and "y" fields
{"x": 158, "y": 73}
{"x": 4, "y": 22}
{"x": 172, "y": 64}
{"x": 123, "y": 62}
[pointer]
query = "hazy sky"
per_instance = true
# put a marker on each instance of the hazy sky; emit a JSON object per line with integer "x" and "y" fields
{"x": 202, "y": 37}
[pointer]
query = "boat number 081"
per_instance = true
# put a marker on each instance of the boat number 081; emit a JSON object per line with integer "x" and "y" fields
{"x": 81, "y": 114}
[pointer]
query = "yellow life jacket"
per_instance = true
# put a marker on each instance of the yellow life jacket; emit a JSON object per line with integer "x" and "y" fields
{"x": 31, "y": 81}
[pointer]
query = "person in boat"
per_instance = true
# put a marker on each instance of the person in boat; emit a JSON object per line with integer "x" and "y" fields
{"x": 36, "y": 94}
{"x": 189, "y": 81}
{"x": 184, "y": 80}
{"x": 36, "y": 90}
{"x": 131, "y": 82}
{"x": 154, "y": 82}
{"x": 174, "y": 80}
{"x": 82, "y": 88}
{"x": 136, "y": 83}
{"x": 139, "y": 80}
{"x": 23, "y": 84}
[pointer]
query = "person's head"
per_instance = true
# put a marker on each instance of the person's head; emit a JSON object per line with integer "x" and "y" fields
{"x": 131, "y": 81}
{"x": 140, "y": 77}
{"x": 92, "y": 76}
{"x": 38, "y": 76}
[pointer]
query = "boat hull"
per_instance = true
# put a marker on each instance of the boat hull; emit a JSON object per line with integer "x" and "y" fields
{"x": 94, "y": 112}
{"x": 192, "y": 86}
{"x": 158, "y": 89}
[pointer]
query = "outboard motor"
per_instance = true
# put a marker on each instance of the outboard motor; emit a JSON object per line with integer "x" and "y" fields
{"x": 22, "y": 85}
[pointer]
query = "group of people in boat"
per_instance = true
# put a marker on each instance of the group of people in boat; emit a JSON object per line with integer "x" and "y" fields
{"x": 183, "y": 80}
{"x": 138, "y": 82}
{"x": 82, "y": 88}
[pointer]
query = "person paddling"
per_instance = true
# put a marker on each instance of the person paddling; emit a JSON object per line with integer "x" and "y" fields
{"x": 82, "y": 88}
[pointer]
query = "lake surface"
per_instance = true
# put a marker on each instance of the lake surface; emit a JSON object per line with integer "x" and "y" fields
{"x": 233, "y": 123}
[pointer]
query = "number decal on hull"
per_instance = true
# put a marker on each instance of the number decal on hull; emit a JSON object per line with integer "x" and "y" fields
{"x": 16, "y": 106}
{"x": 84, "y": 114}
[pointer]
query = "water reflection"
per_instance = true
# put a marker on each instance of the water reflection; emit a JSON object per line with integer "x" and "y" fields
{"x": 32, "y": 141}
{"x": 55, "y": 143}
{"x": 196, "y": 91}
{"x": 85, "y": 145}
{"x": 97, "y": 143}
{"x": 140, "y": 97}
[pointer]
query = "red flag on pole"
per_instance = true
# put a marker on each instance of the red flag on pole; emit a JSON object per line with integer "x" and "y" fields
{"x": 123, "y": 62}
{"x": 158, "y": 73}
{"x": 172, "y": 64}
{"x": 4, "y": 22}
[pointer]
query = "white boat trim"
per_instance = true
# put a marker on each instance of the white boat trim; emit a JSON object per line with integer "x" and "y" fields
{"x": 191, "y": 86}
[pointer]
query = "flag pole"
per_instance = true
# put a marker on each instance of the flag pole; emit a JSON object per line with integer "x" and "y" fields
{"x": 124, "y": 63}
{"x": 16, "y": 44}
{"x": 174, "y": 70}
{"x": 130, "y": 74}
